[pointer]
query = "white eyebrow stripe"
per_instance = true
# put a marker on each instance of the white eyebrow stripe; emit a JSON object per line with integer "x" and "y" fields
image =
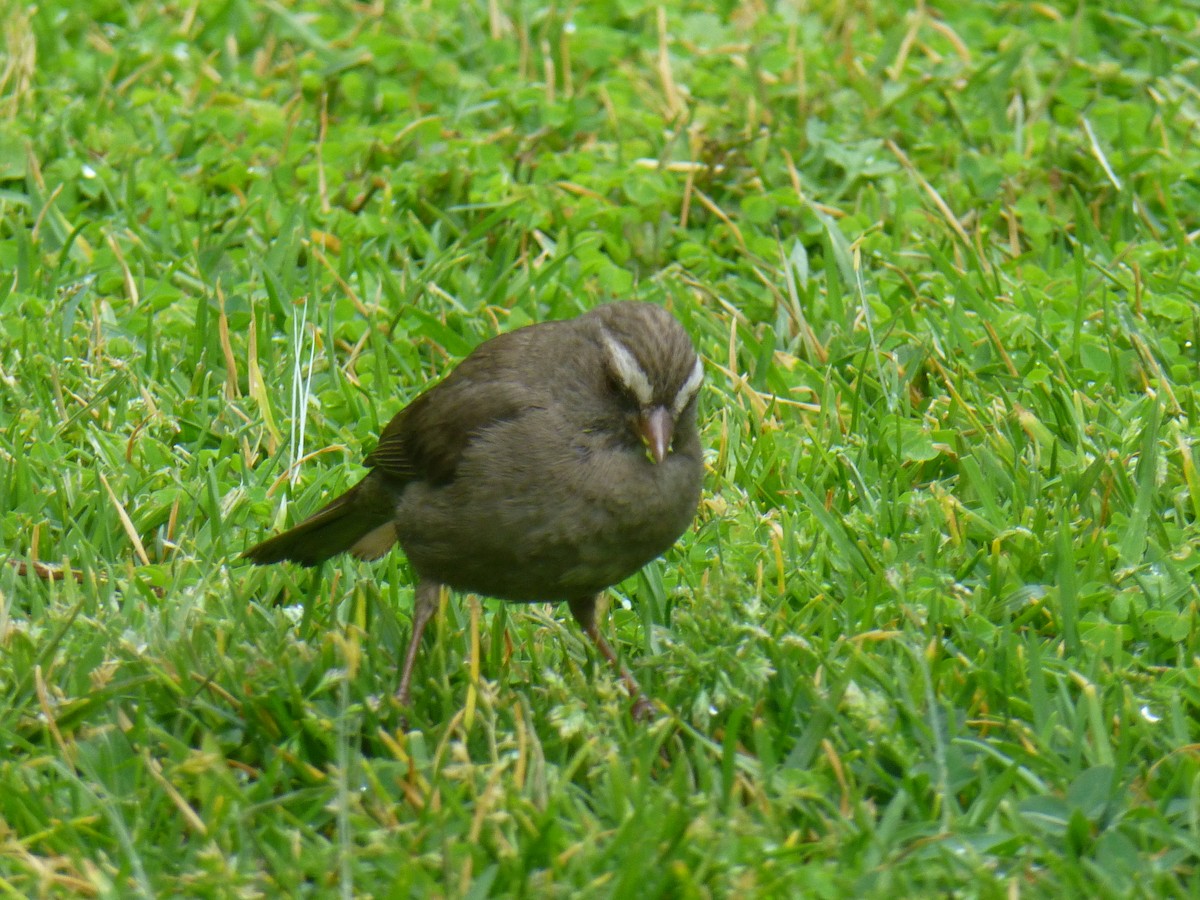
{"x": 628, "y": 370}
{"x": 689, "y": 388}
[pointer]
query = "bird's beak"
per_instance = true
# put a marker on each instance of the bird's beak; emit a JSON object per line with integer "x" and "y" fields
{"x": 656, "y": 426}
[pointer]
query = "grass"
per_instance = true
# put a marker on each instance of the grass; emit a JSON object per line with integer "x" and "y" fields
{"x": 935, "y": 629}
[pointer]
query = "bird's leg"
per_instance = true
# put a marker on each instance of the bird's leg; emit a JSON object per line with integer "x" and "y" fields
{"x": 424, "y": 606}
{"x": 584, "y": 610}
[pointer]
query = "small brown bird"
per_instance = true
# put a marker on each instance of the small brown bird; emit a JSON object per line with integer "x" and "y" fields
{"x": 553, "y": 462}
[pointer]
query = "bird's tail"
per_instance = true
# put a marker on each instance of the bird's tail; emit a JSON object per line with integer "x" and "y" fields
{"x": 360, "y": 521}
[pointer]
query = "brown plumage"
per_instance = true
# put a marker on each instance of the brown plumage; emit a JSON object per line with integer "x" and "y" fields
{"x": 553, "y": 462}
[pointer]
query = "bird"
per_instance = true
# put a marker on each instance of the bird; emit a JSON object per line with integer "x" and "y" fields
{"x": 554, "y": 461}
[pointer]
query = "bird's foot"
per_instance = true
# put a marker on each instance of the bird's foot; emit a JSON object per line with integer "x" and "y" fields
{"x": 643, "y": 710}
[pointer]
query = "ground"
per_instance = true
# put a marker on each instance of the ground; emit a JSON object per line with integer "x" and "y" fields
{"x": 934, "y": 630}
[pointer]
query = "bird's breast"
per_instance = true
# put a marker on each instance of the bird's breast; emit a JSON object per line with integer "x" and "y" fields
{"x": 528, "y": 517}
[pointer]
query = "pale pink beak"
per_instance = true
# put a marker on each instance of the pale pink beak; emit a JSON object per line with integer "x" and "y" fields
{"x": 656, "y": 427}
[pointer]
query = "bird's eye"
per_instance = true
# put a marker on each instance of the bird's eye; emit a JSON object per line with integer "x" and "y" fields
{"x": 624, "y": 367}
{"x": 690, "y": 388}
{"x": 618, "y": 389}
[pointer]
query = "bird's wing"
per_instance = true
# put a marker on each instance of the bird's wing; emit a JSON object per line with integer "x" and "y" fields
{"x": 427, "y": 438}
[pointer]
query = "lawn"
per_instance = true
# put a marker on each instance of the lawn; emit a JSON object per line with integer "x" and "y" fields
{"x": 935, "y": 629}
